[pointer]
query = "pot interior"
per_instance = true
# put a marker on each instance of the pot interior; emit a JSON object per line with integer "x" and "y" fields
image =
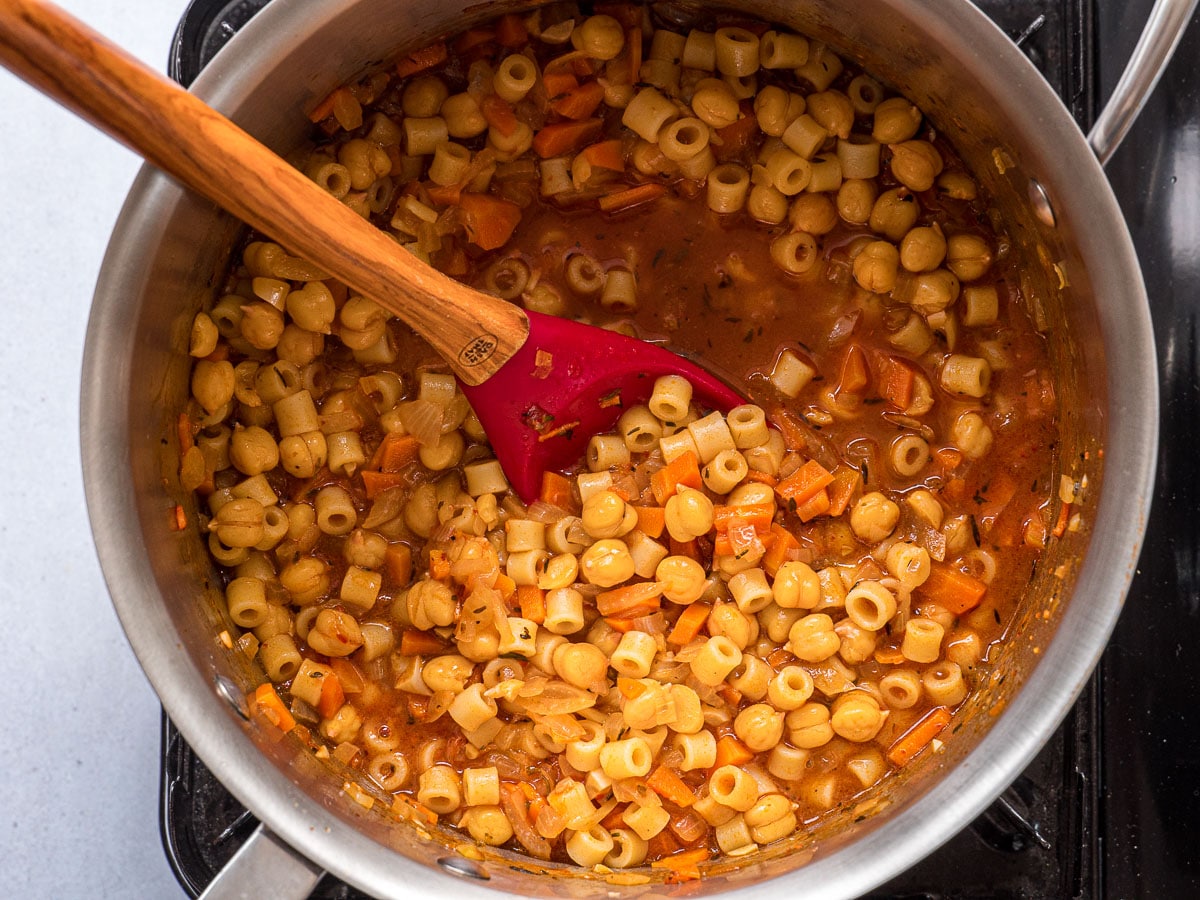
{"x": 1080, "y": 277}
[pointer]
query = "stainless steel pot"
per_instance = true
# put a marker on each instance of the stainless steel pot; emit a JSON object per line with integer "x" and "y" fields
{"x": 1081, "y": 276}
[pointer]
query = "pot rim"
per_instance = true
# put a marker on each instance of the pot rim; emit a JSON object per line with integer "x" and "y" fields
{"x": 219, "y": 737}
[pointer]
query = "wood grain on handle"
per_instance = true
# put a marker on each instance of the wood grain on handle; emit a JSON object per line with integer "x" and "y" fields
{"x": 209, "y": 154}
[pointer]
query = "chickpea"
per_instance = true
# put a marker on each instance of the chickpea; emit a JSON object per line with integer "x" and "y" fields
{"x": 929, "y": 292}
{"x": 253, "y": 450}
{"x": 430, "y": 603}
{"x": 896, "y": 120}
{"x": 335, "y": 633}
{"x": 968, "y": 256}
{"x": 213, "y": 383}
{"x": 239, "y": 523}
{"x": 689, "y": 514}
{"x": 423, "y": 96}
{"x": 813, "y": 639}
{"x": 813, "y": 213}
{"x": 833, "y": 111}
{"x": 894, "y": 213}
{"x": 808, "y": 727}
{"x": 447, "y": 673}
{"x": 855, "y": 200}
{"x": 923, "y": 248}
{"x": 875, "y": 267}
{"x": 796, "y": 586}
{"x": 874, "y": 517}
{"x": 856, "y": 716}
{"x": 581, "y": 665}
{"x": 729, "y": 621}
{"x": 262, "y": 325}
{"x": 606, "y": 563}
{"x": 957, "y": 186}
{"x": 760, "y": 726}
{"x": 605, "y": 515}
{"x": 916, "y": 164}
{"x": 682, "y": 578}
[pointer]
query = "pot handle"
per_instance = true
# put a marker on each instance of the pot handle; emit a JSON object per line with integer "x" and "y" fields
{"x": 264, "y": 866}
{"x": 1165, "y": 26}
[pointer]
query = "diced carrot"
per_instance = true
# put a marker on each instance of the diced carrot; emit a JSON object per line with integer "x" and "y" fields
{"x": 536, "y": 805}
{"x": 178, "y": 518}
{"x": 733, "y": 139}
{"x": 490, "y": 221}
{"x": 795, "y": 432}
{"x": 580, "y": 101}
{"x": 690, "y": 549}
{"x": 955, "y": 490}
{"x": 397, "y": 562}
{"x": 418, "y": 707}
{"x": 472, "y": 38}
{"x": 511, "y": 31}
{"x": 506, "y": 586}
{"x": 631, "y": 197}
{"x": 532, "y": 600}
{"x": 651, "y": 520}
{"x": 620, "y": 625}
{"x": 444, "y": 194}
{"x": 740, "y": 540}
{"x": 889, "y": 655}
{"x": 425, "y": 58}
{"x": 630, "y": 601}
{"x": 846, "y": 481}
{"x": 628, "y": 14}
{"x": 805, "y": 483}
{"x": 498, "y": 113}
{"x": 757, "y": 515}
{"x": 780, "y": 657}
{"x": 948, "y": 458}
{"x": 351, "y": 676}
{"x": 375, "y": 483}
{"x": 183, "y": 428}
{"x": 918, "y": 737}
{"x": 683, "y": 859}
{"x": 605, "y": 155}
{"x": 626, "y": 68}
{"x": 896, "y": 381}
{"x": 395, "y": 452}
{"x": 816, "y": 505}
{"x": 267, "y": 702}
{"x": 957, "y": 591}
{"x": 630, "y": 687}
{"x": 332, "y": 696}
{"x": 574, "y": 61}
{"x": 997, "y": 493}
{"x": 780, "y": 550}
{"x": 561, "y": 138}
{"x": 730, "y": 695}
{"x": 761, "y": 478}
{"x": 732, "y": 752}
{"x": 556, "y": 490}
{"x": 557, "y": 83}
{"x": 1064, "y": 517}
{"x": 439, "y": 565}
{"x": 855, "y": 375}
{"x": 615, "y": 817}
{"x": 689, "y": 624}
{"x": 414, "y": 642}
{"x": 682, "y": 470}
{"x": 664, "y": 782}
{"x": 324, "y": 109}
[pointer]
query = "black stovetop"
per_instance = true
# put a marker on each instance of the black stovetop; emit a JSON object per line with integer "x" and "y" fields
{"x": 1111, "y": 806}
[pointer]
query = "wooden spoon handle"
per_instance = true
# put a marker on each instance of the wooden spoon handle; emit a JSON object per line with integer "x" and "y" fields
{"x": 209, "y": 154}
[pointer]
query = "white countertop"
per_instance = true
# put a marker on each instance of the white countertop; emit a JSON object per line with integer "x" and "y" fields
{"x": 80, "y": 757}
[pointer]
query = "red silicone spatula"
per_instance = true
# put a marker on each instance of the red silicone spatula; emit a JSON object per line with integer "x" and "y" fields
{"x": 492, "y": 346}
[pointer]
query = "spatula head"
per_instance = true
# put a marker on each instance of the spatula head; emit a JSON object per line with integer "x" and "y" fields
{"x": 567, "y": 383}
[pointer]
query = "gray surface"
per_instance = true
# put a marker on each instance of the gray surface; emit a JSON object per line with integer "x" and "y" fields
{"x": 79, "y": 759}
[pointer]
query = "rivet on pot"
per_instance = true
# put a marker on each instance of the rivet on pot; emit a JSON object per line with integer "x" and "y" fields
{"x": 464, "y": 868}
{"x": 1042, "y": 207}
{"x": 228, "y": 691}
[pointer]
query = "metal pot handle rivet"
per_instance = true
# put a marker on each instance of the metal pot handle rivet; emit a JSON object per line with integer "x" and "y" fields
{"x": 228, "y": 691}
{"x": 463, "y": 868}
{"x": 1040, "y": 201}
